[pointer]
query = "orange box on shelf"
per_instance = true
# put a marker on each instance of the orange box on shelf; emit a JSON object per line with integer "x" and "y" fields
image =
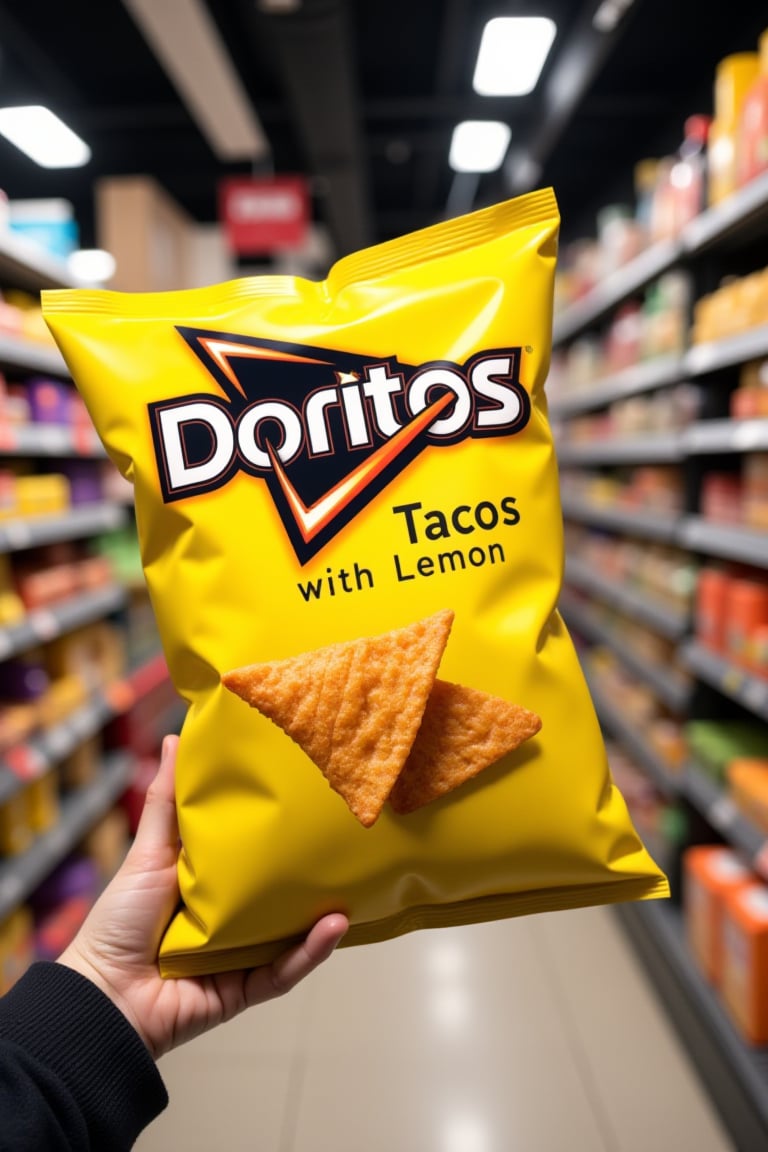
{"x": 711, "y": 597}
{"x": 744, "y": 985}
{"x": 748, "y": 786}
{"x": 710, "y": 872}
{"x": 747, "y": 611}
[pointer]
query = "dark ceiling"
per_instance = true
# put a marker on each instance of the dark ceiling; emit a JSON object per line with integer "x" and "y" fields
{"x": 362, "y": 95}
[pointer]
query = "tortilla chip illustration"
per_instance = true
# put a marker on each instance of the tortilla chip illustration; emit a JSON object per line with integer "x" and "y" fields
{"x": 353, "y": 707}
{"x": 462, "y": 732}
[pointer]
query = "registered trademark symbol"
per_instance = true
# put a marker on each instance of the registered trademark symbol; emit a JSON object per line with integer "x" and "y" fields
{"x": 528, "y": 348}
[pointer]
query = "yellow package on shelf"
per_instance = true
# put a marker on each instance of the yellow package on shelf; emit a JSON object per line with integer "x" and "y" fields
{"x": 349, "y": 519}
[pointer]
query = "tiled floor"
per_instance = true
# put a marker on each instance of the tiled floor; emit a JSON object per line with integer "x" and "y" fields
{"x": 531, "y": 1035}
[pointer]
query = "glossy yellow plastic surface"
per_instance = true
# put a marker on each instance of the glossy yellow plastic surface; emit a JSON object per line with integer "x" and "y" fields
{"x": 316, "y": 462}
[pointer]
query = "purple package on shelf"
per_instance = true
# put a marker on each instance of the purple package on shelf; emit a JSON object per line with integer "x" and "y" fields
{"x": 75, "y": 876}
{"x": 85, "y": 483}
{"x": 22, "y": 680}
{"x": 50, "y": 401}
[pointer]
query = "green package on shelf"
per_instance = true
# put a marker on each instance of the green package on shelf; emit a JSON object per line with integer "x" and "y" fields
{"x": 714, "y": 743}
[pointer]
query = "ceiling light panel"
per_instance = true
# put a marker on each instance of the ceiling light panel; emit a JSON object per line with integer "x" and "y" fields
{"x": 42, "y": 136}
{"x": 479, "y": 145}
{"x": 186, "y": 41}
{"x": 512, "y": 53}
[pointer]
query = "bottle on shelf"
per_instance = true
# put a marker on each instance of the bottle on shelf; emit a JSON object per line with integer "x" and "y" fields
{"x": 752, "y": 140}
{"x": 688, "y": 177}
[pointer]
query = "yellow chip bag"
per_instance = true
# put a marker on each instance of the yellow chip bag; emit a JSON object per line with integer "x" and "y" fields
{"x": 349, "y": 518}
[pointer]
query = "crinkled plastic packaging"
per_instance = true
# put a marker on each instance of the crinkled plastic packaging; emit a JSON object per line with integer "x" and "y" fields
{"x": 315, "y": 462}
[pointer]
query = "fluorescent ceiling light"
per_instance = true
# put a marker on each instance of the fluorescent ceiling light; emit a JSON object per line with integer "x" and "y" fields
{"x": 40, "y": 134}
{"x": 512, "y": 54}
{"x": 478, "y": 145}
{"x": 186, "y": 41}
{"x": 92, "y": 265}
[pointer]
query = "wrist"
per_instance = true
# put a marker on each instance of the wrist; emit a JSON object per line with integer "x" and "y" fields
{"x": 75, "y": 958}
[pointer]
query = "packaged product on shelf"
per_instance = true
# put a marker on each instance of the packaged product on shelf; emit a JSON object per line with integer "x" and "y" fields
{"x": 755, "y": 497}
{"x": 752, "y": 138}
{"x": 746, "y": 613}
{"x": 619, "y": 237}
{"x": 50, "y": 401}
{"x": 734, "y": 76}
{"x": 688, "y": 178}
{"x": 392, "y": 492}
{"x": 16, "y": 834}
{"x": 58, "y": 928}
{"x": 750, "y": 399}
{"x": 16, "y": 946}
{"x": 645, "y": 176}
{"x": 714, "y": 744}
{"x": 722, "y": 497}
{"x": 748, "y": 787}
{"x": 106, "y": 843}
{"x": 711, "y": 608}
{"x": 665, "y": 316}
{"x": 745, "y": 961}
{"x": 43, "y": 802}
{"x": 710, "y": 873}
{"x": 82, "y": 765}
{"x": 41, "y": 495}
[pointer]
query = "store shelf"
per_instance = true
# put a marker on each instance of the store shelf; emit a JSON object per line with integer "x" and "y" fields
{"x": 735, "y": 1073}
{"x": 19, "y": 353}
{"x": 45, "y": 624}
{"x": 80, "y": 811}
{"x": 85, "y": 520}
{"x": 41, "y": 752}
{"x": 749, "y": 345}
{"x": 650, "y": 449}
{"x": 632, "y": 381}
{"x": 649, "y": 525}
{"x": 580, "y": 618}
{"x": 25, "y": 265}
{"x": 720, "y": 812}
{"x": 738, "y": 214}
{"x": 751, "y": 692}
{"x": 613, "y": 289}
{"x": 725, "y": 436}
{"x": 666, "y": 621}
{"x": 630, "y": 739}
{"x": 49, "y": 440}
{"x": 713, "y": 539}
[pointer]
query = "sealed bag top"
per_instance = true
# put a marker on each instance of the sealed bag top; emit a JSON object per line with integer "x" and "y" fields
{"x": 348, "y": 512}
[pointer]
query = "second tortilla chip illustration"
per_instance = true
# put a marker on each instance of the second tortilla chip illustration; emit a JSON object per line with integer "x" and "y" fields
{"x": 463, "y": 731}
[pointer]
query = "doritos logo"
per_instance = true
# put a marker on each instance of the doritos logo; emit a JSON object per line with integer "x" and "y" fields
{"x": 326, "y": 430}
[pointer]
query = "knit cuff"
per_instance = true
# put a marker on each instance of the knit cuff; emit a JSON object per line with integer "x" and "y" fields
{"x": 68, "y": 1023}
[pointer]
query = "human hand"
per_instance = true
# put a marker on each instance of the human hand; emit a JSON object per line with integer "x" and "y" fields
{"x": 117, "y": 946}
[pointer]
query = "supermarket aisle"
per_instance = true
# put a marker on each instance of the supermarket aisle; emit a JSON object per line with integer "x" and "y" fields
{"x": 532, "y": 1035}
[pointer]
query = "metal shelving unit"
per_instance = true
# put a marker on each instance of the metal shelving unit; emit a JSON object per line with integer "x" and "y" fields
{"x": 632, "y": 381}
{"x": 629, "y": 521}
{"x": 668, "y": 687}
{"x": 20, "y": 875}
{"x": 26, "y": 267}
{"x": 74, "y": 524}
{"x": 46, "y": 624}
{"x": 735, "y": 1073}
{"x": 666, "y": 621}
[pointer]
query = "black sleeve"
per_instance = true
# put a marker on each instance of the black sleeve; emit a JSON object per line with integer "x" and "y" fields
{"x": 75, "y": 1076}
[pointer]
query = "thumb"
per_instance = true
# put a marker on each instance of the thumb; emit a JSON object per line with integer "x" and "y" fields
{"x": 158, "y": 826}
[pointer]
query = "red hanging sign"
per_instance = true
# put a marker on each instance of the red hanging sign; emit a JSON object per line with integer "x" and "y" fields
{"x": 261, "y": 216}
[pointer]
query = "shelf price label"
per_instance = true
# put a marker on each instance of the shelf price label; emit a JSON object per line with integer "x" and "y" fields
{"x": 722, "y": 813}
